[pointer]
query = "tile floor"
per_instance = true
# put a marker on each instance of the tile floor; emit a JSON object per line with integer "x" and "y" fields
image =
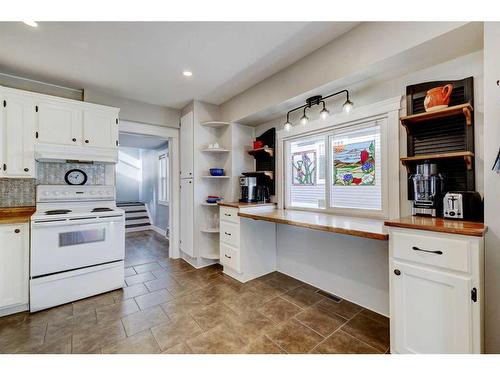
{"x": 167, "y": 306}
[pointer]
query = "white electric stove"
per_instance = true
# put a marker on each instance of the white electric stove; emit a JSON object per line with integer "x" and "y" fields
{"x": 77, "y": 244}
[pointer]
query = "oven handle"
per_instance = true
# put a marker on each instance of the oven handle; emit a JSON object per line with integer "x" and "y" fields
{"x": 67, "y": 222}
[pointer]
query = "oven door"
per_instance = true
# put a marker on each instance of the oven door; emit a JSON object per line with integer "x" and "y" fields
{"x": 63, "y": 245}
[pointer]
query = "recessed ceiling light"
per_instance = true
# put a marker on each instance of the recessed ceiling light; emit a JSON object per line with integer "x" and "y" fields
{"x": 31, "y": 23}
{"x": 187, "y": 73}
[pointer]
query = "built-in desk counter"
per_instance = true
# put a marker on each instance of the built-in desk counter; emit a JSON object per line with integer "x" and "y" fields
{"x": 16, "y": 215}
{"x": 353, "y": 226}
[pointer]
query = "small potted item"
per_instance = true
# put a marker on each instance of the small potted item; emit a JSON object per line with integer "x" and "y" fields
{"x": 216, "y": 172}
{"x": 257, "y": 144}
{"x": 438, "y": 98}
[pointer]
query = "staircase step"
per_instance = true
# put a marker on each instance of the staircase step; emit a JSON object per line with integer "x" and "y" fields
{"x": 137, "y": 225}
{"x": 136, "y": 217}
{"x": 140, "y": 213}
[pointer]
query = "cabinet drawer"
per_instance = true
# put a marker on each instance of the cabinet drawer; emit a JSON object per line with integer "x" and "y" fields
{"x": 229, "y": 214}
{"x": 230, "y": 257}
{"x": 230, "y": 233}
{"x": 451, "y": 253}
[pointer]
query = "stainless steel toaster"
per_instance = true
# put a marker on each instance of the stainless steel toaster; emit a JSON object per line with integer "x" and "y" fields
{"x": 463, "y": 205}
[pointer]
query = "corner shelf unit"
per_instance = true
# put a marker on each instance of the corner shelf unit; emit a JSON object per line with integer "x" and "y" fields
{"x": 215, "y": 150}
{"x": 444, "y": 137}
{"x": 215, "y": 124}
{"x": 263, "y": 151}
{"x": 216, "y": 177}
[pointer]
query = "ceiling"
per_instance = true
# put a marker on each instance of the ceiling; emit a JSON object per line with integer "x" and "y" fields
{"x": 145, "y": 60}
{"x": 141, "y": 141}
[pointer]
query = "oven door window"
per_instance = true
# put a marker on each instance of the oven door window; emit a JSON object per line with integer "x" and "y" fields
{"x": 82, "y": 237}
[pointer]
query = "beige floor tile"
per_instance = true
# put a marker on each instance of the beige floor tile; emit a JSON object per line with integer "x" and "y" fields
{"x": 117, "y": 310}
{"x": 218, "y": 340}
{"x": 262, "y": 345}
{"x": 249, "y": 324}
{"x": 153, "y": 299}
{"x": 90, "y": 304}
{"x": 100, "y": 335}
{"x": 181, "y": 306}
{"x": 147, "y": 267}
{"x": 130, "y": 292}
{"x": 23, "y": 338}
{"x": 370, "y": 331}
{"x": 280, "y": 280}
{"x": 140, "y": 278}
{"x": 141, "y": 343}
{"x": 55, "y": 313}
{"x": 175, "y": 332}
{"x": 244, "y": 301}
{"x": 212, "y": 315}
{"x": 303, "y": 296}
{"x": 162, "y": 283}
{"x": 320, "y": 321}
{"x": 181, "y": 348}
{"x": 66, "y": 327}
{"x": 59, "y": 346}
{"x": 294, "y": 337}
{"x": 375, "y": 316}
{"x": 130, "y": 271}
{"x": 143, "y": 320}
{"x": 279, "y": 310}
{"x": 343, "y": 308}
{"x": 342, "y": 343}
{"x": 266, "y": 291}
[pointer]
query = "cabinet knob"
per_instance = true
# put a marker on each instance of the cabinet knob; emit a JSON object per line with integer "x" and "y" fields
{"x": 86, "y": 141}
{"x": 74, "y": 139}
{"x": 227, "y": 256}
{"x": 17, "y": 230}
{"x": 397, "y": 272}
{"x": 26, "y": 169}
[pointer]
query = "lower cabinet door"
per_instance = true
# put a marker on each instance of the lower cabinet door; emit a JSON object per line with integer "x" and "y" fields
{"x": 431, "y": 310}
{"x": 14, "y": 264}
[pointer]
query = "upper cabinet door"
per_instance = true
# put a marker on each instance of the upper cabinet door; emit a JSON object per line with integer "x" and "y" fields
{"x": 431, "y": 310}
{"x": 59, "y": 123}
{"x": 100, "y": 128}
{"x": 18, "y": 137}
{"x": 186, "y": 145}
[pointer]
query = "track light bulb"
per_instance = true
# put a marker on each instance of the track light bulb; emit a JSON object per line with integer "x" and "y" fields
{"x": 304, "y": 120}
{"x": 287, "y": 127}
{"x": 347, "y": 106}
{"x": 324, "y": 113}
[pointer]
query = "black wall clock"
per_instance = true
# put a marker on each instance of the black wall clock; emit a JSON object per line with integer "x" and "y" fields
{"x": 75, "y": 177}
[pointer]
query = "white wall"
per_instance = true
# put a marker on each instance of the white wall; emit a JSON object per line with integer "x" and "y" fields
{"x": 128, "y": 175}
{"x": 357, "y": 268}
{"x": 492, "y": 185}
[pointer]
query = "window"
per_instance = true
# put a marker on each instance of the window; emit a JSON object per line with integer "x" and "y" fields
{"x": 163, "y": 178}
{"x": 346, "y": 178}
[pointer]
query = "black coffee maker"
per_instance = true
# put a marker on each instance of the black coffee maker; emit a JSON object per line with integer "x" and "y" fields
{"x": 263, "y": 195}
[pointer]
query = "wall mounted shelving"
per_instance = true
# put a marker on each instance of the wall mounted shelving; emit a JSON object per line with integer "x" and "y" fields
{"x": 215, "y": 124}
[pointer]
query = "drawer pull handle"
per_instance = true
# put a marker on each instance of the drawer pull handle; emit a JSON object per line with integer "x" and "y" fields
{"x": 17, "y": 230}
{"x": 227, "y": 215}
{"x": 228, "y": 234}
{"x": 397, "y": 272}
{"x": 227, "y": 256}
{"x": 438, "y": 252}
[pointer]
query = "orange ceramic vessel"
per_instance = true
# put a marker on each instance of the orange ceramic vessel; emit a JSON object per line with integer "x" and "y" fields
{"x": 438, "y": 98}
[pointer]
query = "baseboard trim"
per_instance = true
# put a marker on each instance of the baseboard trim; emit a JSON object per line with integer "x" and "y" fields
{"x": 14, "y": 309}
{"x": 159, "y": 230}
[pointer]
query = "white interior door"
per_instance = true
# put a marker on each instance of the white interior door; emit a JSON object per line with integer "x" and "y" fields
{"x": 186, "y": 221}
{"x": 186, "y": 145}
{"x": 100, "y": 129}
{"x": 430, "y": 311}
{"x": 59, "y": 124}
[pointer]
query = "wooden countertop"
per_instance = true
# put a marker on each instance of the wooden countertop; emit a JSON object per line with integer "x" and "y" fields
{"x": 433, "y": 224}
{"x": 244, "y": 204}
{"x": 353, "y": 226}
{"x": 15, "y": 215}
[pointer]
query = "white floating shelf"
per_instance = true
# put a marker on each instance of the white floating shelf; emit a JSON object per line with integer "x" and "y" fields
{"x": 215, "y": 124}
{"x": 216, "y": 177}
{"x": 210, "y": 230}
{"x": 215, "y": 150}
{"x": 209, "y": 204}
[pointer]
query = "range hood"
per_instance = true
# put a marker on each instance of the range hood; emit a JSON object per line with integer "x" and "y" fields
{"x": 61, "y": 153}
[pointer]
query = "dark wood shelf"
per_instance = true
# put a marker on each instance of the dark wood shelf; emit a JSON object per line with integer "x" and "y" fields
{"x": 465, "y": 155}
{"x": 462, "y": 109}
{"x": 263, "y": 151}
{"x": 269, "y": 174}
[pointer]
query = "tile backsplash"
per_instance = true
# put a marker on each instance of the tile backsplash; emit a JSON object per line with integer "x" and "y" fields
{"x": 17, "y": 192}
{"x": 53, "y": 173}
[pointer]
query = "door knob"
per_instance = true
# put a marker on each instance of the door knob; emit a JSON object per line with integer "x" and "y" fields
{"x": 74, "y": 139}
{"x": 397, "y": 272}
{"x": 26, "y": 169}
{"x": 86, "y": 141}
{"x": 17, "y": 230}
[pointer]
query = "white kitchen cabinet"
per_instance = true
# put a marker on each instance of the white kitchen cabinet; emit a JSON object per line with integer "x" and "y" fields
{"x": 186, "y": 145}
{"x": 17, "y": 136}
{"x": 100, "y": 128}
{"x": 186, "y": 217}
{"x": 59, "y": 123}
{"x": 436, "y": 285}
{"x": 14, "y": 268}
